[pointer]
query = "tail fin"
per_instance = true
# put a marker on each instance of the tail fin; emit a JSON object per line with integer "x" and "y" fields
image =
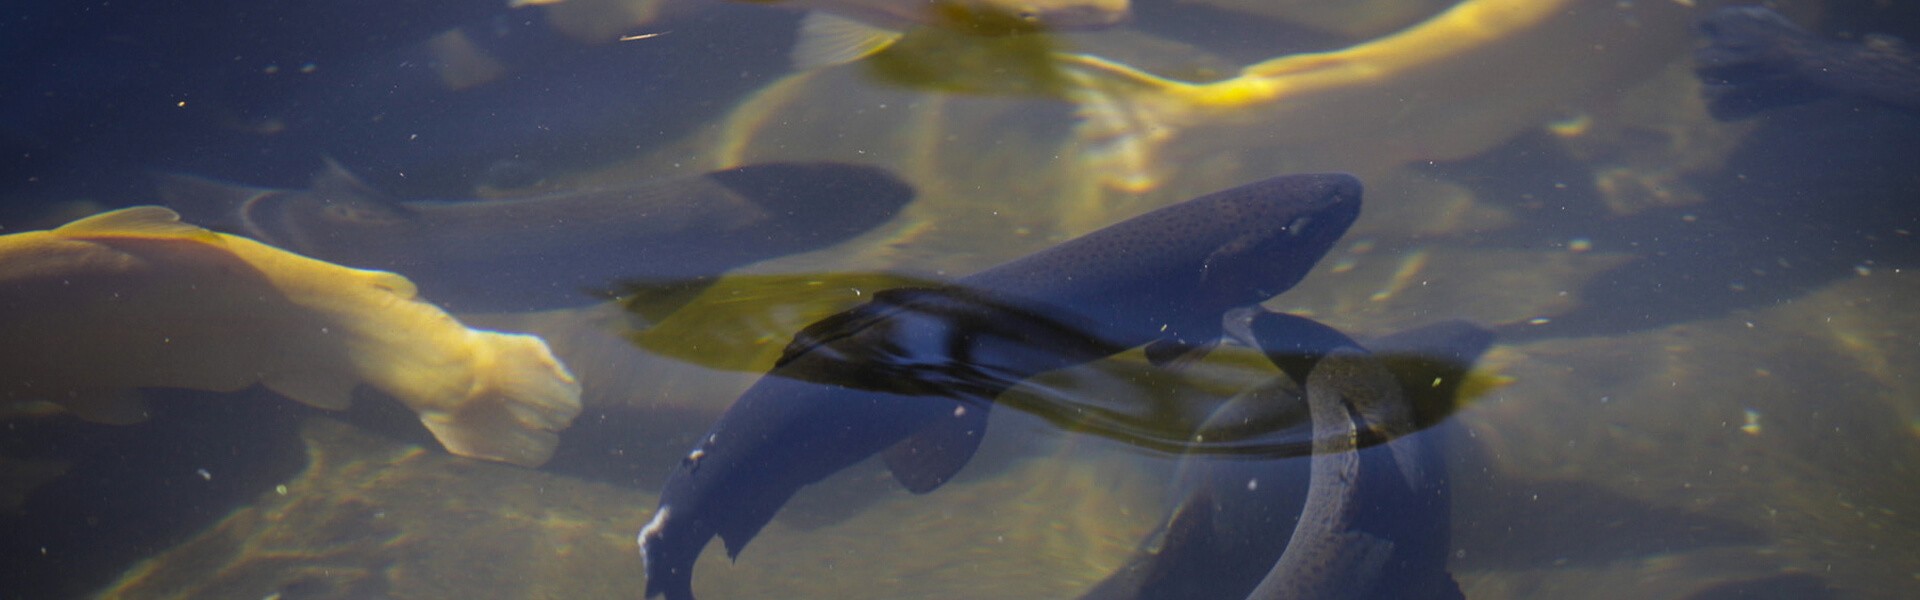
{"x": 522, "y": 396}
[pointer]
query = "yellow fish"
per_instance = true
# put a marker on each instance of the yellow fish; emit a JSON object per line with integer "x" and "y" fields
{"x": 842, "y": 31}
{"x": 135, "y": 298}
{"x": 1448, "y": 87}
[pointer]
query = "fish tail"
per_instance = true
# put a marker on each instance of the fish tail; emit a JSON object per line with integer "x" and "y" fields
{"x": 669, "y": 560}
{"x": 674, "y": 587}
{"x": 520, "y": 397}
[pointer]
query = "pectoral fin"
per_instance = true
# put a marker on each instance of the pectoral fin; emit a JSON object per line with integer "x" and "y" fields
{"x": 827, "y": 40}
{"x": 491, "y": 433}
{"x": 930, "y": 458}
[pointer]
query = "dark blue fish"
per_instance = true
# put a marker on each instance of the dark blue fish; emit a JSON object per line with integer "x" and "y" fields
{"x": 1373, "y": 522}
{"x": 912, "y": 372}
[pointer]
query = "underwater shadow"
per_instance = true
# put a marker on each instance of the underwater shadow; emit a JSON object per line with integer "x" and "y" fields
{"x": 1816, "y": 194}
{"x": 1549, "y": 524}
{"x": 133, "y": 490}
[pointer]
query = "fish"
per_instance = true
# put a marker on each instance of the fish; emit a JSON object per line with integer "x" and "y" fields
{"x": 1329, "y": 555}
{"x": 562, "y": 249}
{"x": 913, "y": 372}
{"x": 1366, "y": 521}
{"x": 1359, "y": 19}
{"x": 135, "y": 298}
{"x": 1135, "y": 125}
{"x": 836, "y": 32}
{"x": 1754, "y": 59}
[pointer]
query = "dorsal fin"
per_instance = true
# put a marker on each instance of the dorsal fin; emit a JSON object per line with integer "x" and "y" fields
{"x": 827, "y": 40}
{"x": 138, "y": 221}
{"x": 930, "y": 457}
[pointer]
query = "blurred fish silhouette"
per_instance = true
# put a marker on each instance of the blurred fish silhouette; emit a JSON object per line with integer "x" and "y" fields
{"x": 1754, "y": 60}
{"x": 135, "y": 298}
{"x": 559, "y": 249}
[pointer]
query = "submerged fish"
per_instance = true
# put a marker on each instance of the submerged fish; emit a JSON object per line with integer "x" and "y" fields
{"x": 134, "y": 298}
{"x": 1366, "y": 522}
{"x": 559, "y": 249}
{"x": 1756, "y": 59}
{"x": 1135, "y": 125}
{"x": 913, "y": 372}
{"x": 843, "y": 31}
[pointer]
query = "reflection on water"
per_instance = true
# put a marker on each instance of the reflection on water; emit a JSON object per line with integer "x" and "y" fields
{"x": 1703, "y": 386}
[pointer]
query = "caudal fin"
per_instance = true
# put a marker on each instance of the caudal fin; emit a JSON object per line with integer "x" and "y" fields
{"x": 522, "y": 396}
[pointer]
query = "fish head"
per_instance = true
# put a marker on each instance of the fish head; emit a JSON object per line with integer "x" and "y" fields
{"x": 338, "y": 210}
{"x": 323, "y": 210}
{"x": 1295, "y": 220}
{"x": 339, "y": 199}
{"x": 337, "y": 203}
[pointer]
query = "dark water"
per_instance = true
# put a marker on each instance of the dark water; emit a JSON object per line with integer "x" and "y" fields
{"x": 1704, "y": 385}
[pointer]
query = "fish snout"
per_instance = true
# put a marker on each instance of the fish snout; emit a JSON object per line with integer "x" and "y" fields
{"x": 1335, "y": 190}
{"x": 1327, "y": 204}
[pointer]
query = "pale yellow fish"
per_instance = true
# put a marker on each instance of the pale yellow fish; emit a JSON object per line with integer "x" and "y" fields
{"x": 1450, "y": 86}
{"x": 842, "y": 31}
{"x": 1047, "y": 15}
{"x": 134, "y": 298}
{"x": 1351, "y": 18}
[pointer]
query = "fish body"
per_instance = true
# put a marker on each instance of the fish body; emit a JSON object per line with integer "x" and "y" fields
{"x": 1376, "y": 523}
{"x": 1754, "y": 59}
{"x": 913, "y": 372}
{"x": 1041, "y": 14}
{"x": 557, "y": 250}
{"x": 1368, "y": 513}
{"x": 134, "y": 298}
{"x": 842, "y": 31}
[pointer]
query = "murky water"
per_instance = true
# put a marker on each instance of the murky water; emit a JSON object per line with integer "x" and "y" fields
{"x": 1703, "y": 386}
